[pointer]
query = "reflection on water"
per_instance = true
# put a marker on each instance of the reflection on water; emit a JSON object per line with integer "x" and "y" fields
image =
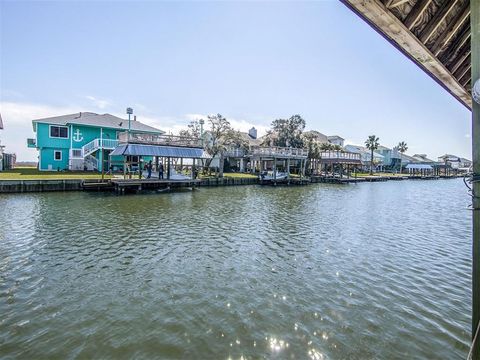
{"x": 322, "y": 272}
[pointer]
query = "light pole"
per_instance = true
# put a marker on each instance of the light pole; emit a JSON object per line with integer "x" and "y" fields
{"x": 129, "y": 112}
{"x": 201, "y": 122}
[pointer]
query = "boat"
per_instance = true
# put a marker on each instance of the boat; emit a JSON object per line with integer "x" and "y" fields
{"x": 270, "y": 175}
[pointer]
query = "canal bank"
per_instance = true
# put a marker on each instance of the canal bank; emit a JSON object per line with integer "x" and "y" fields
{"x": 47, "y": 185}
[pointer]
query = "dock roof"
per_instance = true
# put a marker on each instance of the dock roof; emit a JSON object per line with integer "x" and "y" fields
{"x": 98, "y": 120}
{"x": 156, "y": 150}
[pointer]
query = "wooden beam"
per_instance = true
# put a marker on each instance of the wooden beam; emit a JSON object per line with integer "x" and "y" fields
{"x": 452, "y": 28}
{"x": 465, "y": 79}
{"x": 394, "y": 3}
{"x": 455, "y": 46}
{"x": 463, "y": 68}
{"x": 437, "y": 19}
{"x": 392, "y": 29}
{"x": 417, "y": 11}
{"x": 460, "y": 58}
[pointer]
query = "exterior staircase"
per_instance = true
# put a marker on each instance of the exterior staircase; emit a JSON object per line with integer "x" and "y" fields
{"x": 83, "y": 157}
{"x": 97, "y": 144}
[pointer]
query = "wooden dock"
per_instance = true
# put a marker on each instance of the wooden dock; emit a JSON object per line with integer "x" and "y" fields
{"x": 120, "y": 186}
{"x": 287, "y": 182}
{"x": 335, "y": 180}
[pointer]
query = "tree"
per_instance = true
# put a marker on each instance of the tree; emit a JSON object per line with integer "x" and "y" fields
{"x": 193, "y": 130}
{"x": 402, "y": 147}
{"x": 288, "y": 132}
{"x": 221, "y": 136}
{"x": 372, "y": 144}
{"x": 313, "y": 147}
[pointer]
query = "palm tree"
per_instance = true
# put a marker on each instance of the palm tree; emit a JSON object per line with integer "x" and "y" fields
{"x": 372, "y": 144}
{"x": 402, "y": 147}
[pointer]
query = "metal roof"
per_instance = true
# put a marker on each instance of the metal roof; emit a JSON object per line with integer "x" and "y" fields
{"x": 419, "y": 166}
{"x": 99, "y": 120}
{"x": 155, "y": 150}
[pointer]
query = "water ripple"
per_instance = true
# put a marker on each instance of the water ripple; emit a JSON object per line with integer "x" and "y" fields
{"x": 319, "y": 272}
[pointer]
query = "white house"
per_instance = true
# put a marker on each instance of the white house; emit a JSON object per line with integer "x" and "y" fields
{"x": 336, "y": 140}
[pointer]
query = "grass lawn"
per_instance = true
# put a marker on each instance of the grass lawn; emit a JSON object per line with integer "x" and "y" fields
{"x": 29, "y": 173}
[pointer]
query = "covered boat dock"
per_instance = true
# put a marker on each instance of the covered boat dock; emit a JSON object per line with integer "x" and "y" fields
{"x": 156, "y": 161}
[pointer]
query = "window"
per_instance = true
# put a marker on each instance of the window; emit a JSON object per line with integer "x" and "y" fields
{"x": 77, "y": 153}
{"x": 57, "y": 155}
{"x": 59, "y": 132}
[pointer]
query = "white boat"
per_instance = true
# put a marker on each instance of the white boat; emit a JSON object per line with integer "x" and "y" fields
{"x": 270, "y": 175}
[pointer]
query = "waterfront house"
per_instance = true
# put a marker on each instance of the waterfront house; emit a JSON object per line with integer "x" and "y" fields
{"x": 336, "y": 140}
{"x": 391, "y": 157}
{"x": 378, "y": 159}
{"x": 80, "y": 141}
{"x": 7, "y": 161}
{"x": 455, "y": 162}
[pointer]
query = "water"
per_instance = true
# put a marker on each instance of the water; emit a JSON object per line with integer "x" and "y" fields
{"x": 361, "y": 271}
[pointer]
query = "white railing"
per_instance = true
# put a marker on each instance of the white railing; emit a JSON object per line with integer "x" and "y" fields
{"x": 108, "y": 144}
{"x": 340, "y": 155}
{"x": 235, "y": 153}
{"x": 91, "y": 162}
{"x": 159, "y": 139}
{"x": 279, "y": 151}
{"x": 96, "y": 144}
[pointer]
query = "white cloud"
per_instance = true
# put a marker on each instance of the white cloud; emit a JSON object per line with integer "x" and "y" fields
{"x": 99, "y": 103}
{"x": 17, "y": 120}
{"x": 18, "y": 116}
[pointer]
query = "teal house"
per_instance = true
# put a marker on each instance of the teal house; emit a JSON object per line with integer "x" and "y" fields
{"x": 81, "y": 141}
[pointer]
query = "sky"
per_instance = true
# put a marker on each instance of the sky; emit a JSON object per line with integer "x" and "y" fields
{"x": 253, "y": 62}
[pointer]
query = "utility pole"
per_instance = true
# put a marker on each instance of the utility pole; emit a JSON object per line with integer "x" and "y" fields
{"x": 129, "y": 112}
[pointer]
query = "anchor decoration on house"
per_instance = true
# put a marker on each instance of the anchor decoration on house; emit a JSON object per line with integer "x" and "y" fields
{"x": 77, "y": 136}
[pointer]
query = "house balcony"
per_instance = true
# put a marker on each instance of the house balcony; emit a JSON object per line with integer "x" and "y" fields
{"x": 279, "y": 152}
{"x": 235, "y": 153}
{"x": 340, "y": 157}
{"x": 158, "y": 140}
{"x": 32, "y": 143}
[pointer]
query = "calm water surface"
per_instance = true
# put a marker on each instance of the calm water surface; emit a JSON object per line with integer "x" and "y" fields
{"x": 367, "y": 271}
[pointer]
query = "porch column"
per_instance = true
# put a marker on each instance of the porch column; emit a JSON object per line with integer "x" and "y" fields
{"x": 168, "y": 168}
{"x": 475, "y": 59}
{"x": 274, "y": 168}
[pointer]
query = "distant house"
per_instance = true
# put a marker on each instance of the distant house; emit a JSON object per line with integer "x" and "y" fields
{"x": 378, "y": 159}
{"x": 422, "y": 159}
{"x": 317, "y": 136}
{"x": 391, "y": 157}
{"x": 336, "y": 140}
{"x": 77, "y": 141}
{"x": 7, "y": 161}
{"x": 455, "y": 162}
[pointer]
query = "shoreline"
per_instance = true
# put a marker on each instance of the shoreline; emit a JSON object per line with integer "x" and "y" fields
{"x": 51, "y": 185}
